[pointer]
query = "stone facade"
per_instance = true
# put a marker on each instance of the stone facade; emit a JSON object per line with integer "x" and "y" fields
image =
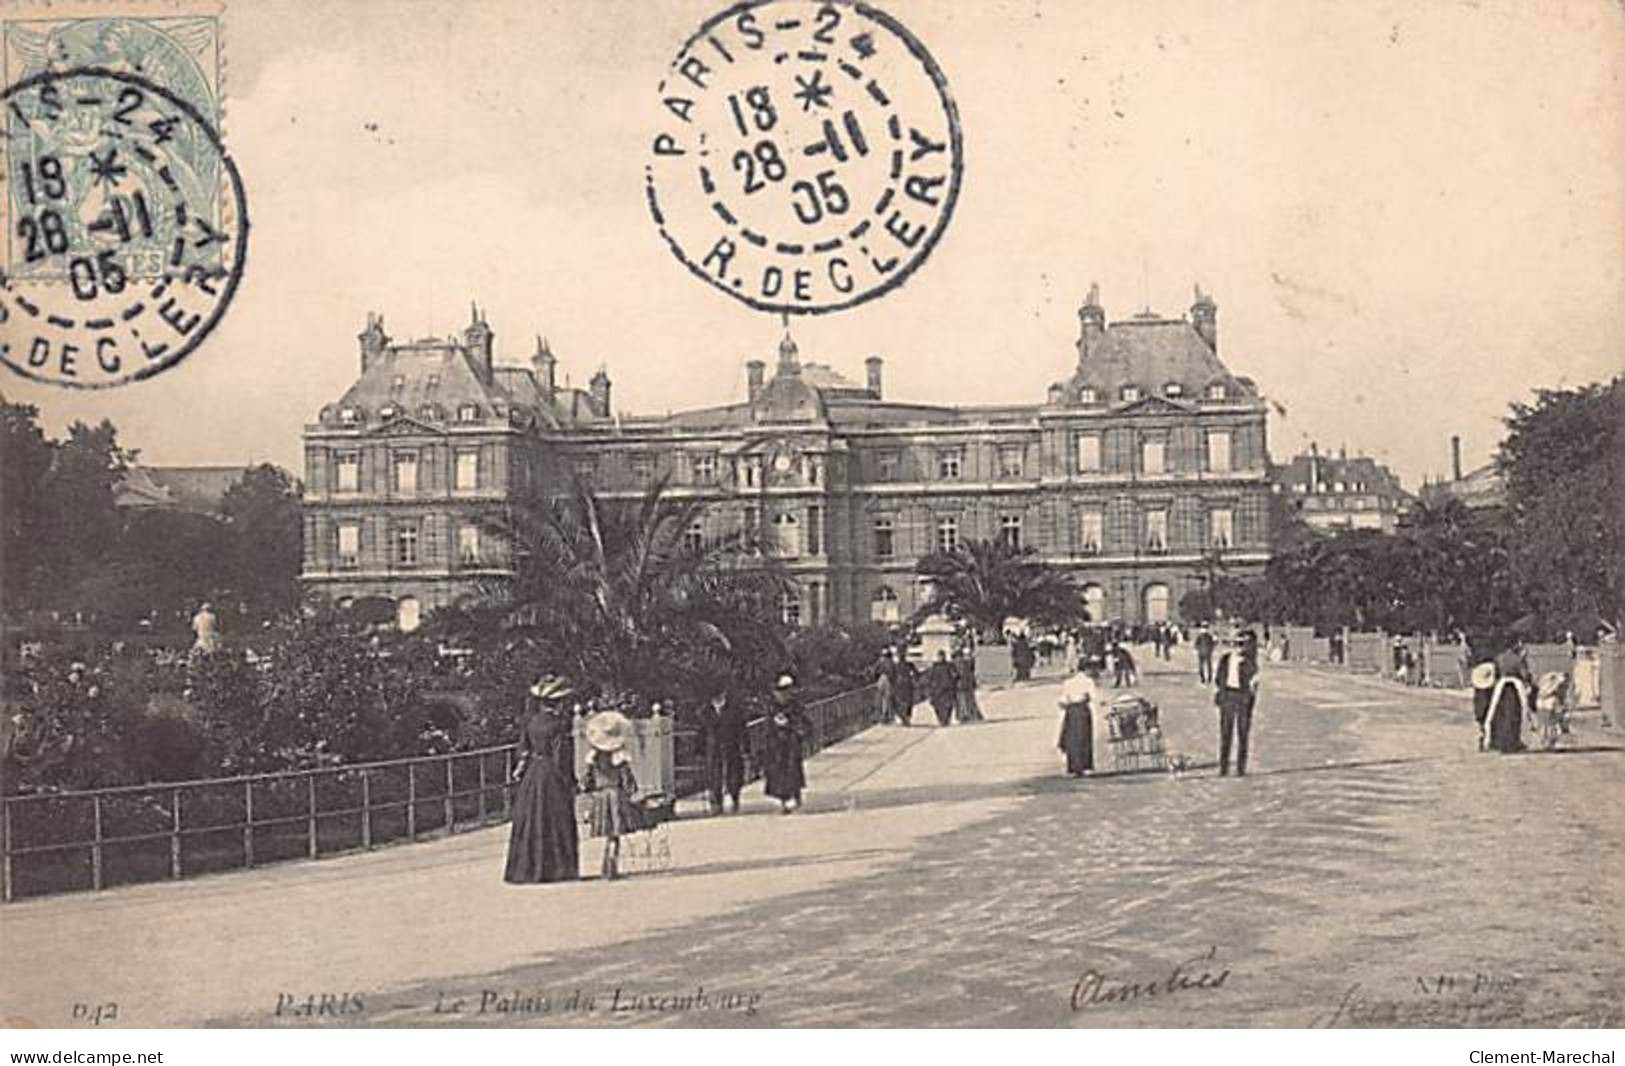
{"x": 1336, "y": 492}
{"x": 1148, "y": 459}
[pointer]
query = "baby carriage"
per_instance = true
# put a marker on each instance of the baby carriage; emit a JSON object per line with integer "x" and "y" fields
{"x": 1554, "y": 699}
{"x": 1134, "y": 734}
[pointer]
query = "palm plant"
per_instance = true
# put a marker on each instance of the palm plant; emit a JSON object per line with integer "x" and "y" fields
{"x": 616, "y": 596}
{"x": 988, "y": 581}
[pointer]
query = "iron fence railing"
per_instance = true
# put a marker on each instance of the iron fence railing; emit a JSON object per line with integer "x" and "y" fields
{"x": 90, "y": 840}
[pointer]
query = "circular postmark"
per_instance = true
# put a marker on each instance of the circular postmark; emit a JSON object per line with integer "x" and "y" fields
{"x": 809, "y": 155}
{"x": 125, "y": 230}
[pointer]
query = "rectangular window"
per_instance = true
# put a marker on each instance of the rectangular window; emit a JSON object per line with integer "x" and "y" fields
{"x": 468, "y": 544}
{"x": 585, "y": 466}
{"x": 1092, "y": 531}
{"x": 751, "y": 520}
{"x": 705, "y": 468}
{"x": 1156, "y": 530}
{"x": 1221, "y": 528}
{"x": 643, "y": 468}
{"x": 1010, "y": 530}
{"x": 750, "y": 471}
{"x": 949, "y": 463}
{"x": 468, "y": 470}
{"x": 349, "y": 472}
{"x": 1218, "y": 451}
{"x": 1088, "y": 453}
{"x": 815, "y": 531}
{"x": 812, "y": 469}
{"x": 884, "y": 545}
{"x": 406, "y": 473}
{"x": 815, "y": 600}
{"x": 1152, "y": 456}
{"x": 787, "y": 532}
{"x": 349, "y": 546}
{"x": 947, "y": 534}
{"x": 1011, "y": 462}
{"x": 694, "y": 537}
{"x": 406, "y": 545}
{"x": 886, "y": 466}
{"x": 790, "y": 608}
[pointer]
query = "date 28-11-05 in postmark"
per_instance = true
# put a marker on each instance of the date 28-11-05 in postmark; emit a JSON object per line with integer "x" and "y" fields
{"x": 125, "y": 226}
{"x": 809, "y": 155}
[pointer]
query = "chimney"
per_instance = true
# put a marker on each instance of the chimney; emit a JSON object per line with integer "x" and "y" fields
{"x": 599, "y": 388}
{"x": 373, "y": 340}
{"x": 546, "y": 369}
{"x": 1314, "y": 467}
{"x": 477, "y": 339}
{"x": 1205, "y": 317}
{"x": 1455, "y": 457}
{"x": 873, "y": 365}
{"x": 1092, "y": 320}
{"x": 755, "y": 371}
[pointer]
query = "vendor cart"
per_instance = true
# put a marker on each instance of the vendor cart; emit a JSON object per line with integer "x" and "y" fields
{"x": 1134, "y": 734}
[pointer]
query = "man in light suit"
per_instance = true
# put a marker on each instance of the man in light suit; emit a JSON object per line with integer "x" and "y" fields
{"x": 1235, "y": 680}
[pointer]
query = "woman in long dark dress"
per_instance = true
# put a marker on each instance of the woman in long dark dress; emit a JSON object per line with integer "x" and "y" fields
{"x": 904, "y": 686}
{"x": 1510, "y": 701}
{"x": 543, "y": 845}
{"x": 784, "y": 773}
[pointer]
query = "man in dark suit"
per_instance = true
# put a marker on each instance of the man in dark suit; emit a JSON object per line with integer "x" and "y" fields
{"x": 1236, "y": 691}
{"x": 1204, "y": 654}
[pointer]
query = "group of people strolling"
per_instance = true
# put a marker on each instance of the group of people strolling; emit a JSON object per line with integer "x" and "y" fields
{"x": 948, "y": 684}
{"x": 544, "y": 839}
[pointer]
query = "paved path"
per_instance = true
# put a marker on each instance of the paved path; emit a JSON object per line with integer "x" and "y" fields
{"x": 1373, "y": 869}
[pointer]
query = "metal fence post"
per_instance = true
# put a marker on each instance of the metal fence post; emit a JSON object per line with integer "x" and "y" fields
{"x": 5, "y": 851}
{"x": 482, "y": 788}
{"x": 175, "y": 837}
{"x": 451, "y": 810}
{"x": 96, "y": 844}
{"x": 507, "y": 780}
{"x": 248, "y": 823}
{"x": 310, "y": 786}
{"x": 366, "y": 809}
{"x": 411, "y": 801}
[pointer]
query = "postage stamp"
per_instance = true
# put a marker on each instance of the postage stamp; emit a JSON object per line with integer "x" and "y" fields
{"x": 124, "y": 219}
{"x": 809, "y": 154}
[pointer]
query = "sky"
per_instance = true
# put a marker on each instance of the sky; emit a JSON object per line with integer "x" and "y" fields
{"x": 1410, "y": 215}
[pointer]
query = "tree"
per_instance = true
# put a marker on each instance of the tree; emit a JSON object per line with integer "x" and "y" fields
{"x": 1562, "y": 464}
{"x": 263, "y": 514}
{"x": 25, "y": 462}
{"x": 613, "y": 594}
{"x": 988, "y": 581}
{"x": 79, "y": 523}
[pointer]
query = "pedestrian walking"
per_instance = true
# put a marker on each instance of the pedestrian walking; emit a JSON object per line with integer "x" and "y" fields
{"x": 905, "y": 686}
{"x": 1509, "y": 701}
{"x": 1079, "y": 695}
{"x": 785, "y": 771}
{"x": 1021, "y": 657}
{"x": 885, "y": 671}
{"x": 543, "y": 844}
{"x": 942, "y": 688}
{"x": 723, "y": 721}
{"x": 610, "y": 786}
{"x": 965, "y": 705}
{"x": 1204, "y": 654}
{"x": 1123, "y": 668}
{"x": 1236, "y": 693}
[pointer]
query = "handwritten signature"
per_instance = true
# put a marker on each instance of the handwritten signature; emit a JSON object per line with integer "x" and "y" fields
{"x": 1195, "y": 974}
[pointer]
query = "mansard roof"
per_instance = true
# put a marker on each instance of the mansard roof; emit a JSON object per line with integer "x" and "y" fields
{"x": 1151, "y": 352}
{"x": 1330, "y": 470}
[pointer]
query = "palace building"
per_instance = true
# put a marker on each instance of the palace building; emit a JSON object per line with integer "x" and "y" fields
{"x": 1141, "y": 472}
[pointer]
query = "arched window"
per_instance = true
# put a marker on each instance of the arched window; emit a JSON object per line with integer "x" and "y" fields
{"x": 388, "y": 411}
{"x": 883, "y": 605}
{"x": 350, "y": 415}
{"x": 408, "y": 615}
{"x": 1156, "y": 603}
{"x": 788, "y": 533}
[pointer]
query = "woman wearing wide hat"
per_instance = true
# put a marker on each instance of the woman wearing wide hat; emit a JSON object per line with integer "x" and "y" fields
{"x": 542, "y": 845}
{"x": 611, "y": 785}
{"x": 784, "y": 773}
